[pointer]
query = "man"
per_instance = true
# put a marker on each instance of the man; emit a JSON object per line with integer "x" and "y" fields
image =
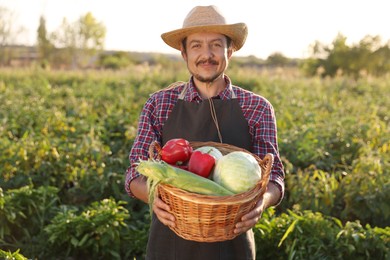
{"x": 206, "y": 108}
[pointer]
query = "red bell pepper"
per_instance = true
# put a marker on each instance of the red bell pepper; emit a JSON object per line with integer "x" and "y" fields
{"x": 201, "y": 163}
{"x": 176, "y": 151}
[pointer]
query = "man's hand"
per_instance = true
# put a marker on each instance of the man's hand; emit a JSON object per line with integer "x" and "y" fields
{"x": 270, "y": 198}
{"x": 139, "y": 188}
{"x": 162, "y": 212}
{"x": 249, "y": 220}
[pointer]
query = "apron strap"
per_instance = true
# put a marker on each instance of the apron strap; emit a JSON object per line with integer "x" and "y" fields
{"x": 183, "y": 92}
{"x": 234, "y": 96}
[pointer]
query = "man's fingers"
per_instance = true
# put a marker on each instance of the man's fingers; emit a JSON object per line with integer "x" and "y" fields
{"x": 162, "y": 212}
{"x": 249, "y": 220}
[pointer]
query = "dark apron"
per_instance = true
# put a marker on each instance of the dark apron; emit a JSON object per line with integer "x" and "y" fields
{"x": 193, "y": 121}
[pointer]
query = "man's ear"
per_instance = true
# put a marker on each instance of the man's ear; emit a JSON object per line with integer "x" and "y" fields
{"x": 183, "y": 53}
{"x": 229, "y": 52}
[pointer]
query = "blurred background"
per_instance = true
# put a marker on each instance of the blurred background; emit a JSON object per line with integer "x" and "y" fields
{"x": 75, "y": 74}
{"x": 70, "y": 34}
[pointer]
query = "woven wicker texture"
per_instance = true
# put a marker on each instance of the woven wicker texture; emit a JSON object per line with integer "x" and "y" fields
{"x": 206, "y": 218}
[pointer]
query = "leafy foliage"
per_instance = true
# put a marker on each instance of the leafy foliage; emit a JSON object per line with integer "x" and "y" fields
{"x": 12, "y": 255}
{"x": 65, "y": 138}
{"x": 368, "y": 56}
{"x": 95, "y": 232}
{"x": 24, "y": 212}
{"x": 311, "y": 235}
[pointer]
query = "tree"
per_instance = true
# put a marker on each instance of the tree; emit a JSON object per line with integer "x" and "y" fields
{"x": 91, "y": 35}
{"x": 80, "y": 41}
{"x": 64, "y": 39}
{"x": 6, "y": 21}
{"x": 381, "y": 60}
{"x": 277, "y": 59}
{"x": 337, "y": 56}
{"x": 366, "y": 57}
{"x": 44, "y": 45}
{"x": 116, "y": 60}
{"x": 9, "y": 33}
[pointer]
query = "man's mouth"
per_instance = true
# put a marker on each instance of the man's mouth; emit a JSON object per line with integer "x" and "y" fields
{"x": 207, "y": 62}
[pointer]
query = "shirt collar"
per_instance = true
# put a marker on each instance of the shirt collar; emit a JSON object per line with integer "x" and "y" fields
{"x": 193, "y": 95}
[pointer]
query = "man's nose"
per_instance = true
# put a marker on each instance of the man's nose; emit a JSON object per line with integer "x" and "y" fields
{"x": 207, "y": 52}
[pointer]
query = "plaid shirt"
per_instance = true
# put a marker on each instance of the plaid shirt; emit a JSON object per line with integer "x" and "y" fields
{"x": 256, "y": 109}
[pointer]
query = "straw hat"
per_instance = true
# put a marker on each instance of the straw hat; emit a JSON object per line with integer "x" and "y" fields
{"x": 207, "y": 19}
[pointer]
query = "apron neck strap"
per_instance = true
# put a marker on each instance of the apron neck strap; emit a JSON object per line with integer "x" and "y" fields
{"x": 234, "y": 96}
{"x": 183, "y": 92}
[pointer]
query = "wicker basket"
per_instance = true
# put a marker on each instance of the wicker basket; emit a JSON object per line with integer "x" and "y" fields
{"x": 206, "y": 218}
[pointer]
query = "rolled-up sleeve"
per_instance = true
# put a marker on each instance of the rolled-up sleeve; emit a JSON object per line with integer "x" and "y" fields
{"x": 146, "y": 134}
{"x": 263, "y": 128}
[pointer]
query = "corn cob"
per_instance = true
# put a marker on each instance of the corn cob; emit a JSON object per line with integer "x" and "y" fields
{"x": 159, "y": 171}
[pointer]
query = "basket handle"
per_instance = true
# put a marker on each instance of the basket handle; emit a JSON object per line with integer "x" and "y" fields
{"x": 267, "y": 161}
{"x": 155, "y": 150}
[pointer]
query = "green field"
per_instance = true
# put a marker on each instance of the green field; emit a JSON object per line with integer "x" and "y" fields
{"x": 65, "y": 139}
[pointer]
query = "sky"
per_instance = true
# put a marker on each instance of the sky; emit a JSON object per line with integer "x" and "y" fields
{"x": 289, "y": 27}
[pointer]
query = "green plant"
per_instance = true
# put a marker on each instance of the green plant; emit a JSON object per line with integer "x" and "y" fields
{"x": 313, "y": 189}
{"x": 65, "y": 138}
{"x": 311, "y": 235}
{"x": 360, "y": 242}
{"x": 24, "y": 212}
{"x": 93, "y": 233}
{"x": 12, "y": 255}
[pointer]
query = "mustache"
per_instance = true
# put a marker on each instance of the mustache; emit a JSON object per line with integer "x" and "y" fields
{"x": 210, "y": 61}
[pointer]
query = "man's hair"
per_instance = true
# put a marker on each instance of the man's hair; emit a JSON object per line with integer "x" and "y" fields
{"x": 184, "y": 43}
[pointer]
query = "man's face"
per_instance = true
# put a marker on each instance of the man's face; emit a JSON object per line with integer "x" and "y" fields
{"x": 207, "y": 55}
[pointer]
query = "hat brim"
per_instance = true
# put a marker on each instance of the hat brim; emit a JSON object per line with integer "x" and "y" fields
{"x": 236, "y": 32}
